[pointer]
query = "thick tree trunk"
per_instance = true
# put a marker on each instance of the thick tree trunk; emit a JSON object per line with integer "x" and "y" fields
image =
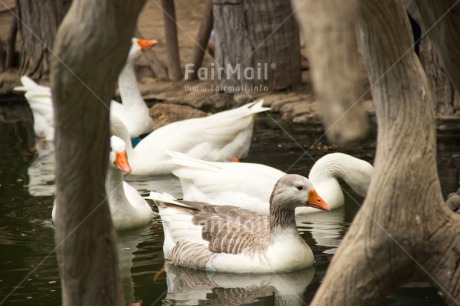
{"x": 403, "y": 228}
{"x": 38, "y": 24}
{"x": 91, "y": 48}
{"x": 329, "y": 28}
{"x": 256, "y": 44}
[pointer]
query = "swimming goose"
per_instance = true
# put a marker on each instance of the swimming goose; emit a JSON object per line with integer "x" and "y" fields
{"x": 133, "y": 112}
{"x": 219, "y": 137}
{"x": 127, "y": 208}
{"x": 248, "y": 185}
{"x": 231, "y": 239}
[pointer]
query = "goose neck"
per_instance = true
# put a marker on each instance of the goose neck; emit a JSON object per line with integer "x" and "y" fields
{"x": 282, "y": 219}
{"x": 114, "y": 187}
{"x": 129, "y": 89}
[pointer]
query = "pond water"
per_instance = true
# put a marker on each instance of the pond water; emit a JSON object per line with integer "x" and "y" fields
{"x": 28, "y": 266}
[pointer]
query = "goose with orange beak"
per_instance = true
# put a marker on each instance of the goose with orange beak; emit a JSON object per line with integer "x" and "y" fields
{"x": 134, "y": 113}
{"x": 127, "y": 208}
{"x": 236, "y": 240}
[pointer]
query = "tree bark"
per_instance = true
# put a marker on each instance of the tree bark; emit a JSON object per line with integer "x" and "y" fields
{"x": 2, "y": 56}
{"x": 446, "y": 98}
{"x": 403, "y": 228}
{"x": 91, "y": 47}
{"x": 257, "y": 36}
{"x": 329, "y": 28}
{"x": 11, "y": 43}
{"x": 38, "y": 24}
{"x": 440, "y": 20}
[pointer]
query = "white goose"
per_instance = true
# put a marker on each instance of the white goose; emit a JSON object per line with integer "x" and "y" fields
{"x": 127, "y": 208}
{"x": 249, "y": 185}
{"x": 231, "y": 239}
{"x": 133, "y": 112}
{"x": 219, "y": 137}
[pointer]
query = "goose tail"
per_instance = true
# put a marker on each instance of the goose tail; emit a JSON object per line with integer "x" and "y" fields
{"x": 165, "y": 199}
{"x": 256, "y": 107}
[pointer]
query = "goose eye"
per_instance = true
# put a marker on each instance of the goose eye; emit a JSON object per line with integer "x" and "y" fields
{"x": 299, "y": 187}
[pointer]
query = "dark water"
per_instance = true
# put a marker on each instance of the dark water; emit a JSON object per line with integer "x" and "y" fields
{"x": 28, "y": 267}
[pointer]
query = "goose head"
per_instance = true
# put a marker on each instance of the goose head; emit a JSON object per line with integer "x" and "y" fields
{"x": 292, "y": 191}
{"x": 139, "y": 46}
{"x": 118, "y": 157}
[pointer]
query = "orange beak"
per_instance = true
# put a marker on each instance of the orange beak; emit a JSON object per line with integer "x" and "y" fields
{"x": 146, "y": 44}
{"x": 121, "y": 161}
{"x": 314, "y": 200}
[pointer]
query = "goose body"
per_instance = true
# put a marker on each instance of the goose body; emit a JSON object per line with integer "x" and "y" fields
{"x": 219, "y": 137}
{"x": 236, "y": 240}
{"x": 249, "y": 185}
{"x": 127, "y": 208}
{"x": 133, "y": 112}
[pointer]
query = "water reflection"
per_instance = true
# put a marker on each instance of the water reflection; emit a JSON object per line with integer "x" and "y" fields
{"x": 128, "y": 244}
{"x": 192, "y": 287}
{"x": 326, "y": 228}
{"x": 41, "y": 171}
{"x": 26, "y": 237}
{"x": 161, "y": 183}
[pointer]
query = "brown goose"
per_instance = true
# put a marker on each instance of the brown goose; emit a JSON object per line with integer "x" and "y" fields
{"x": 236, "y": 240}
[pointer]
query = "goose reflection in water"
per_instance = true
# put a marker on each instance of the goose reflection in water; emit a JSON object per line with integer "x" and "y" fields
{"x": 191, "y": 287}
{"x": 326, "y": 228}
{"x": 41, "y": 171}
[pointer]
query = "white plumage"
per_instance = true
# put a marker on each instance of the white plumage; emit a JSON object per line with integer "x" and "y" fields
{"x": 134, "y": 113}
{"x": 218, "y": 137}
{"x": 249, "y": 185}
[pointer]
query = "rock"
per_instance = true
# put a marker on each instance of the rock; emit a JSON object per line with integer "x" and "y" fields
{"x": 163, "y": 113}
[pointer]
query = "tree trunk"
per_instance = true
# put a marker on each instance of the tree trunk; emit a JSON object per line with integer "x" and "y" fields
{"x": 446, "y": 98}
{"x": 85, "y": 70}
{"x": 403, "y": 228}
{"x": 256, "y": 45}
{"x": 329, "y": 28}
{"x": 38, "y": 24}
